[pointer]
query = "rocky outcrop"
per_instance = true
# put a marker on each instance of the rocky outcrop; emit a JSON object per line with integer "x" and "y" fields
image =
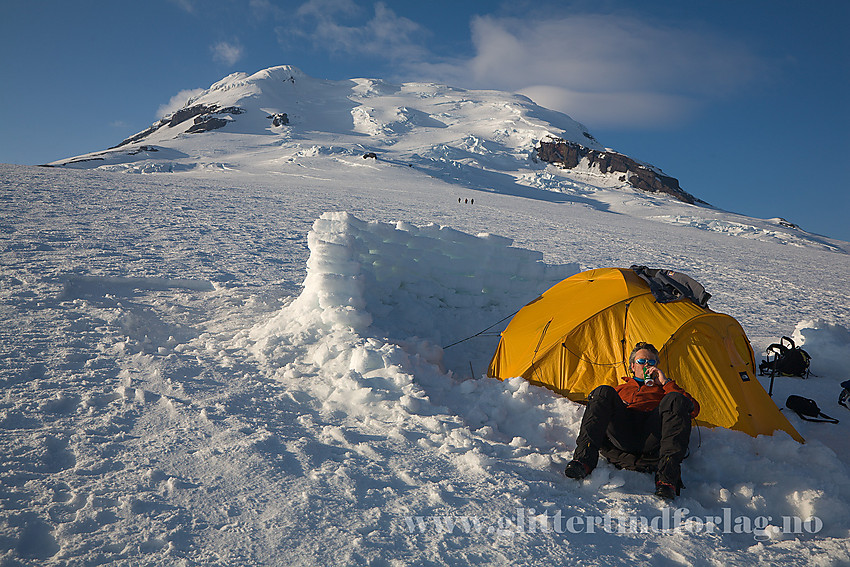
{"x": 141, "y": 149}
{"x": 204, "y": 121}
{"x": 141, "y": 135}
{"x": 185, "y": 114}
{"x": 640, "y": 176}
{"x": 280, "y": 119}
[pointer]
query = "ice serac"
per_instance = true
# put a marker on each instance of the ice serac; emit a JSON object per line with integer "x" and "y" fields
{"x": 570, "y": 155}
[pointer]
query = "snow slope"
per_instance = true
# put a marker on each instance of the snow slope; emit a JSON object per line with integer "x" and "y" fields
{"x": 246, "y": 360}
{"x": 173, "y": 394}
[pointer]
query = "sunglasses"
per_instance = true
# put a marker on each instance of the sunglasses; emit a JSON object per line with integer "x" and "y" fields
{"x": 647, "y": 361}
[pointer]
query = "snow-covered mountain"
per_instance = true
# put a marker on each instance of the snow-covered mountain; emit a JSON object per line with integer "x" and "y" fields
{"x": 278, "y": 114}
{"x": 254, "y": 354}
{"x": 279, "y": 118}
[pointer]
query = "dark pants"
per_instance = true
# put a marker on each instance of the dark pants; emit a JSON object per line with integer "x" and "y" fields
{"x": 653, "y": 440}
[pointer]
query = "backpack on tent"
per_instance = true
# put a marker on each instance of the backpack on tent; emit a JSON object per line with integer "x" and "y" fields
{"x": 575, "y": 337}
{"x": 667, "y": 285}
{"x": 788, "y": 360}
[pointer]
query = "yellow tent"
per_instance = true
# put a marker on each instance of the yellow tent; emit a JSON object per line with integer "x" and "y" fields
{"x": 579, "y": 333}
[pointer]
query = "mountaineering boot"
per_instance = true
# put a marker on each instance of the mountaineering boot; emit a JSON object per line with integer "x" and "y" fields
{"x": 577, "y": 470}
{"x": 665, "y": 490}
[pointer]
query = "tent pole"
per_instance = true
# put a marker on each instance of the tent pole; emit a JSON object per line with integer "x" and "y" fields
{"x": 772, "y": 376}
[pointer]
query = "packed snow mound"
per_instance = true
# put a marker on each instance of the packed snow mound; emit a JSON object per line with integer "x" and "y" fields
{"x": 363, "y": 339}
{"x": 411, "y": 285}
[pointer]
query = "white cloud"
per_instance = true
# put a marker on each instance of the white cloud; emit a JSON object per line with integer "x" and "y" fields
{"x": 260, "y": 9}
{"x": 620, "y": 108}
{"x": 327, "y": 9}
{"x": 608, "y": 70}
{"x": 227, "y": 53}
{"x": 186, "y": 5}
{"x": 338, "y": 26}
{"x": 593, "y": 52}
{"x": 177, "y": 102}
{"x": 603, "y": 70}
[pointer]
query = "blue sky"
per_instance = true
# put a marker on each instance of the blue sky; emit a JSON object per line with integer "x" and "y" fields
{"x": 745, "y": 102}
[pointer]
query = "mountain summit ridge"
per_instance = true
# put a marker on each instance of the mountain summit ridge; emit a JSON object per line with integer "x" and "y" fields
{"x": 285, "y": 102}
{"x": 389, "y": 115}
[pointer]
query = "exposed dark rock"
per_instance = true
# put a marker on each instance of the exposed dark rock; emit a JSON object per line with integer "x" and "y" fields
{"x": 82, "y": 160}
{"x": 202, "y": 111}
{"x": 280, "y": 119}
{"x": 589, "y": 137}
{"x": 141, "y": 135}
{"x": 143, "y": 149}
{"x": 186, "y": 113}
{"x": 206, "y": 123}
{"x": 372, "y": 155}
{"x": 640, "y": 176}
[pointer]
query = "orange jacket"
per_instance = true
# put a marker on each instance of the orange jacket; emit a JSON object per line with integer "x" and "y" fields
{"x": 646, "y": 398}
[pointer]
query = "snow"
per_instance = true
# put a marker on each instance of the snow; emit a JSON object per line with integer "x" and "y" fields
{"x": 250, "y": 364}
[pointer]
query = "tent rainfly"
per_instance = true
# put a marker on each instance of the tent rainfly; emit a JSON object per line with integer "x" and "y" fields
{"x": 579, "y": 333}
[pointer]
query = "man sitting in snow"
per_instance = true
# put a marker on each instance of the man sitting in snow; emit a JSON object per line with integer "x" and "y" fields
{"x": 643, "y": 424}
